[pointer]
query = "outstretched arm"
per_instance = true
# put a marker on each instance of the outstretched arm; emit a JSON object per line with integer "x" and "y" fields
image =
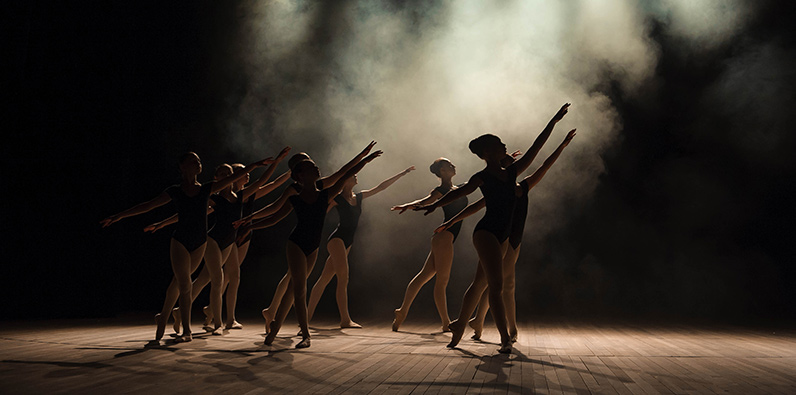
{"x": 525, "y": 160}
{"x": 385, "y": 184}
{"x": 140, "y": 208}
{"x": 255, "y": 186}
{"x": 433, "y": 196}
{"x": 224, "y": 182}
{"x": 268, "y": 188}
{"x": 534, "y": 178}
{"x": 270, "y": 209}
{"x": 335, "y": 189}
{"x": 468, "y": 211}
{"x": 270, "y": 221}
{"x": 449, "y": 197}
{"x": 170, "y": 220}
{"x": 332, "y": 179}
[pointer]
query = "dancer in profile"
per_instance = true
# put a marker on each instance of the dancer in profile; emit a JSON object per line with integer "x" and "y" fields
{"x": 479, "y": 285}
{"x": 190, "y": 236}
{"x": 439, "y": 260}
{"x": 310, "y": 205}
{"x": 498, "y": 185}
{"x": 221, "y": 248}
{"x": 269, "y": 210}
{"x": 349, "y": 208}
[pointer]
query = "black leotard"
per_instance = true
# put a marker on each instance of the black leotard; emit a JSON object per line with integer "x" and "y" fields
{"x": 307, "y": 234}
{"x": 452, "y": 209}
{"x": 518, "y": 218}
{"x": 500, "y": 199}
{"x": 246, "y": 210}
{"x": 226, "y": 213}
{"x": 349, "y": 219}
{"x": 191, "y": 229}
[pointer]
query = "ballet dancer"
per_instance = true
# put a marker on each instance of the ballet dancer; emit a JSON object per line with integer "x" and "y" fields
{"x": 221, "y": 248}
{"x": 324, "y": 182}
{"x": 190, "y": 236}
{"x": 440, "y": 258}
{"x": 512, "y": 251}
{"x": 310, "y": 205}
{"x": 498, "y": 185}
{"x": 349, "y": 208}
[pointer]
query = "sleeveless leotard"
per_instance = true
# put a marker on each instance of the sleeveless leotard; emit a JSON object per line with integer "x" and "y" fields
{"x": 246, "y": 210}
{"x": 500, "y": 198}
{"x": 349, "y": 219}
{"x": 307, "y": 234}
{"x": 226, "y": 213}
{"x": 191, "y": 229}
{"x": 452, "y": 209}
{"x": 518, "y": 218}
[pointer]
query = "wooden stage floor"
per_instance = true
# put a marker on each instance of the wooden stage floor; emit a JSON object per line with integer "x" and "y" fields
{"x": 115, "y": 356}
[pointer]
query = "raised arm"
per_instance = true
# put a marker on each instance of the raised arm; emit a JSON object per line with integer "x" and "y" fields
{"x": 525, "y": 160}
{"x": 268, "y": 188}
{"x": 449, "y": 197}
{"x": 385, "y": 184}
{"x": 335, "y": 189}
{"x": 140, "y": 208}
{"x": 332, "y": 179}
{"x": 255, "y": 186}
{"x": 534, "y": 178}
{"x": 224, "y": 182}
{"x": 468, "y": 211}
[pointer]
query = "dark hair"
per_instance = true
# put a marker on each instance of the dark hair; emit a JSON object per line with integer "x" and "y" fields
{"x": 437, "y": 165}
{"x": 186, "y": 156}
{"x": 298, "y": 167}
{"x": 223, "y": 166}
{"x": 296, "y": 159}
{"x": 479, "y": 144}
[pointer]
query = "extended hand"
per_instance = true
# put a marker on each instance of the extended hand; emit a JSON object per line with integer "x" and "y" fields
{"x": 428, "y": 209}
{"x": 560, "y": 114}
{"x": 108, "y": 221}
{"x": 569, "y": 137}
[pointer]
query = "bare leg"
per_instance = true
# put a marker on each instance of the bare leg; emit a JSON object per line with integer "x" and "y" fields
{"x": 183, "y": 264}
{"x": 471, "y": 297}
{"x": 338, "y": 250}
{"x": 477, "y": 322}
{"x": 196, "y": 288}
{"x": 232, "y": 281}
{"x": 270, "y": 311}
{"x": 214, "y": 261}
{"x": 298, "y": 264}
{"x": 317, "y": 290}
{"x": 509, "y": 262}
{"x": 490, "y": 252}
{"x": 426, "y": 273}
{"x": 442, "y": 245}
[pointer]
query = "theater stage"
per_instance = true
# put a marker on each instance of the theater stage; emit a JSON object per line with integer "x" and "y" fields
{"x": 116, "y": 356}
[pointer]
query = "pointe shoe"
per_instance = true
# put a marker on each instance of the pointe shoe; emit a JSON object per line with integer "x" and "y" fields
{"x": 268, "y": 319}
{"x": 505, "y": 348}
{"x": 350, "y": 324}
{"x": 477, "y": 328}
{"x": 457, "y": 331}
{"x": 269, "y": 339}
{"x": 235, "y": 325}
{"x": 160, "y": 321}
{"x": 218, "y": 331}
{"x": 183, "y": 338}
{"x": 398, "y": 320}
{"x": 304, "y": 343}
{"x": 208, "y": 315}
{"x": 175, "y": 313}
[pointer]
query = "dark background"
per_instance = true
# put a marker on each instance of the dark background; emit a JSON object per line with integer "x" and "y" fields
{"x": 100, "y": 100}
